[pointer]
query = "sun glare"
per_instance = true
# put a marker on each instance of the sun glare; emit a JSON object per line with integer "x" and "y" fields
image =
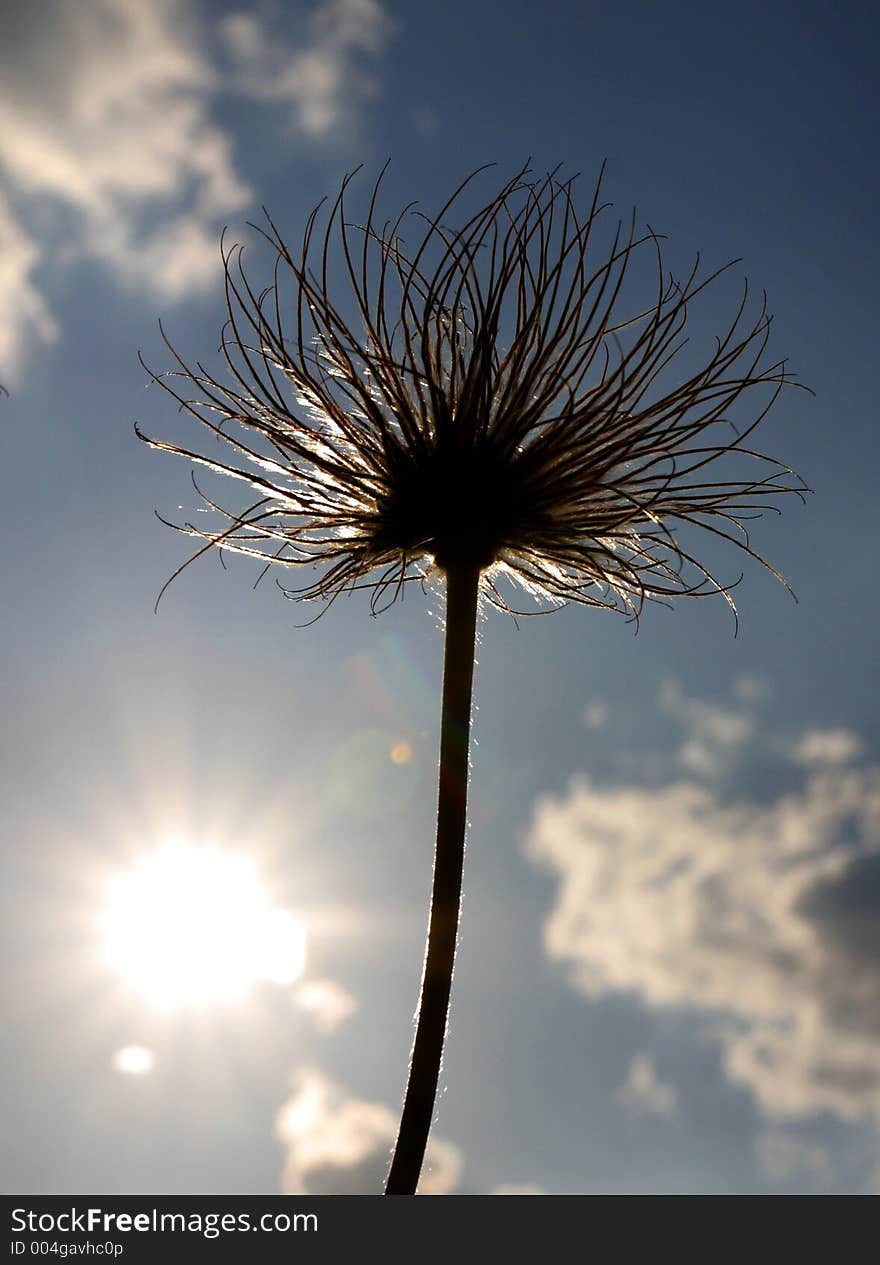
{"x": 192, "y": 926}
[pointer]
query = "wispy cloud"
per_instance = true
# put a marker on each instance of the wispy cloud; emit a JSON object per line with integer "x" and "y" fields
{"x": 644, "y": 1092}
{"x": 827, "y": 746}
{"x": 596, "y": 715}
{"x": 107, "y": 129}
{"x": 327, "y": 1002}
{"x": 338, "y": 1144}
{"x": 761, "y": 915}
{"x": 324, "y": 79}
{"x": 714, "y": 733}
{"x": 116, "y": 129}
{"x": 26, "y": 317}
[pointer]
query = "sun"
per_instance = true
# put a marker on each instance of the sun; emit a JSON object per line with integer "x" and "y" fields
{"x": 192, "y": 926}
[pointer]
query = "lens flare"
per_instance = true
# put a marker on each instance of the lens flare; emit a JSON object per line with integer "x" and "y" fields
{"x": 134, "y": 1060}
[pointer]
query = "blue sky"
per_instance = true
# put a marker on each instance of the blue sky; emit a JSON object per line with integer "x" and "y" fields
{"x": 669, "y": 972}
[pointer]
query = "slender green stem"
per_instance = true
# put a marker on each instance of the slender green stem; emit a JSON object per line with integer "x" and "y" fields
{"x": 462, "y": 584}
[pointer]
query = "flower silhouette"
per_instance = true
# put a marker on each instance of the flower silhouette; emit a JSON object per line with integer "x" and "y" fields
{"x": 477, "y": 405}
{"x": 484, "y": 403}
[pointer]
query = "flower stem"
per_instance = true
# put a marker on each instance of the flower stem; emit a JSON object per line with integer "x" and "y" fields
{"x": 462, "y": 585}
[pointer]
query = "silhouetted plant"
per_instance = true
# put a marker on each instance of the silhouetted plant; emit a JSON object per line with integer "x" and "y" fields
{"x": 483, "y": 413}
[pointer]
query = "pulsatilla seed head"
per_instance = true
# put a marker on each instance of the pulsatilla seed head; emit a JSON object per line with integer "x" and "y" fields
{"x": 460, "y": 505}
{"x": 481, "y": 399}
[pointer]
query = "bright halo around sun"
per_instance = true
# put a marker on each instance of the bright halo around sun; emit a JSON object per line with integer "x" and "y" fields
{"x": 192, "y": 926}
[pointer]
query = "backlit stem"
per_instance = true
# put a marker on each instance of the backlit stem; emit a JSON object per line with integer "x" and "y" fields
{"x": 462, "y": 584}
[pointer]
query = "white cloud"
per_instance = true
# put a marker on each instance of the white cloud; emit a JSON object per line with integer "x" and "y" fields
{"x": 26, "y": 317}
{"x": 827, "y": 746}
{"x": 327, "y": 1002}
{"x": 644, "y": 1092}
{"x": 122, "y": 136}
{"x": 752, "y": 689}
{"x": 765, "y": 916}
{"x": 336, "y": 1144}
{"x": 714, "y": 733}
{"x": 783, "y": 1157}
{"x": 109, "y": 144}
{"x": 323, "y": 79}
{"x": 595, "y": 715}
